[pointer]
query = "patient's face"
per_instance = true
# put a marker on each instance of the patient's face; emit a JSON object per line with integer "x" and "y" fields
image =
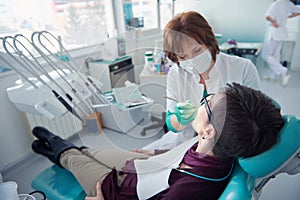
{"x": 201, "y": 121}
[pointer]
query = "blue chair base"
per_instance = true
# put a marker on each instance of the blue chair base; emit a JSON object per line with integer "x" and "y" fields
{"x": 58, "y": 184}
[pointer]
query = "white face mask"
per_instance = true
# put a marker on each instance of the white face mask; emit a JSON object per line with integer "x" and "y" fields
{"x": 198, "y": 64}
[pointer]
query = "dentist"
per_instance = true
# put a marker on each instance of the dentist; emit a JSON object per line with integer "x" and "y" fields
{"x": 200, "y": 68}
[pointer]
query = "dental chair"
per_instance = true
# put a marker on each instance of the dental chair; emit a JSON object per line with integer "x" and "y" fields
{"x": 252, "y": 174}
{"x": 246, "y": 182}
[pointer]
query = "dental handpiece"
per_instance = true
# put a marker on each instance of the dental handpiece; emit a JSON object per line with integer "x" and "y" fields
{"x": 171, "y": 99}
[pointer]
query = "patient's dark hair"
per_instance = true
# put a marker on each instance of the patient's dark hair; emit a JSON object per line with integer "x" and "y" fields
{"x": 251, "y": 123}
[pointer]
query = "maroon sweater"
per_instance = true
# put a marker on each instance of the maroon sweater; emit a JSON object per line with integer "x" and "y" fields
{"x": 182, "y": 186}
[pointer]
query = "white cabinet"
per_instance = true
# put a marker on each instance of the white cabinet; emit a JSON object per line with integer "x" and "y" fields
{"x": 154, "y": 86}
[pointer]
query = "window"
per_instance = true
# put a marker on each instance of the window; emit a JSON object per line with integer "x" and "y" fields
{"x": 147, "y": 10}
{"x": 166, "y": 11}
{"x": 78, "y": 22}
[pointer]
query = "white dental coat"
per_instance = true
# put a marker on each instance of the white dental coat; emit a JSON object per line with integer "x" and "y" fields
{"x": 280, "y": 11}
{"x": 183, "y": 86}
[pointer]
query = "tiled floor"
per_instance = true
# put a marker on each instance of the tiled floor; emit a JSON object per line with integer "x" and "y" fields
{"x": 283, "y": 187}
{"x": 288, "y": 97}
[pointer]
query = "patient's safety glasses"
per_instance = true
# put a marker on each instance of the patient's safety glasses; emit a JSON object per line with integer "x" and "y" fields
{"x": 207, "y": 108}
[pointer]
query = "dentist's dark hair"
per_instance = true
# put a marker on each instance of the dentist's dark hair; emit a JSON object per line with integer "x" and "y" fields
{"x": 252, "y": 122}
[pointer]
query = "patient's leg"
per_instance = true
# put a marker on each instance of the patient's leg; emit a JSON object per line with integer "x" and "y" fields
{"x": 89, "y": 166}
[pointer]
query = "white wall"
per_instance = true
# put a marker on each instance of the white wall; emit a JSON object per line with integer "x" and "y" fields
{"x": 294, "y": 30}
{"x": 242, "y": 20}
{"x": 15, "y": 140}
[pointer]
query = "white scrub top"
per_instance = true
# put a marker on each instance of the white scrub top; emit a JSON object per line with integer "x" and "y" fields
{"x": 182, "y": 85}
{"x": 280, "y": 11}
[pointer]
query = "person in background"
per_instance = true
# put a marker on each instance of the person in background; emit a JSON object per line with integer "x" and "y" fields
{"x": 278, "y": 14}
{"x": 197, "y": 169}
{"x": 200, "y": 68}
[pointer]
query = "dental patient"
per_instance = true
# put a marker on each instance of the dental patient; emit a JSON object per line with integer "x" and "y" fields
{"x": 237, "y": 122}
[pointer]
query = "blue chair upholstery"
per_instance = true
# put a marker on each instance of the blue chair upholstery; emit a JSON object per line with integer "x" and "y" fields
{"x": 58, "y": 184}
{"x": 284, "y": 157}
{"x": 240, "y": 185}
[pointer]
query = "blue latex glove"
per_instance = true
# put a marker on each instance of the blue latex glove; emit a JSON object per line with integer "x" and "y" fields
{"x": 185, "y": 112}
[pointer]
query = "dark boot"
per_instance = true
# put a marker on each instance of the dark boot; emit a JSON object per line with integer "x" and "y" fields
{"x": 59, "y": 146}
{"x": 42, "y": 133}
{"x": 55, "y": 144}
{"x": 42, "y": 148}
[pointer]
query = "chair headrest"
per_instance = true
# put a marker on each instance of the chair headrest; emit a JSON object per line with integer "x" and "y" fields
{"x": 269, "y": 161}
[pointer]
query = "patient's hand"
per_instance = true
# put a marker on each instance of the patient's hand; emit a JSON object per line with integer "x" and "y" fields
{"x": 99, "y": 194}
{"x": 144, "y": 151}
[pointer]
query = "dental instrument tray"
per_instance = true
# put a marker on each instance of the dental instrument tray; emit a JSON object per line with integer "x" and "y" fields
{"x": 130, "y": 96}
